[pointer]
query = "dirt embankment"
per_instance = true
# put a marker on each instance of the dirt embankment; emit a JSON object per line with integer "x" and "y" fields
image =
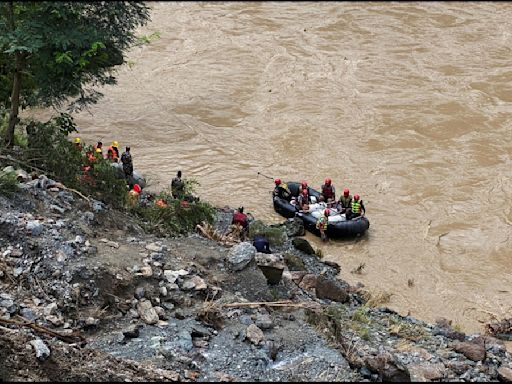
{"x": 87, "y": 295}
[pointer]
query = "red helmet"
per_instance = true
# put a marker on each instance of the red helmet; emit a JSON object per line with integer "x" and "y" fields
{"x": 327, "y": 181}
{"x": 327, "y": 211}
{"x": 346, "y": 192}
{"x": 137, "y": 188}
{"x": 305, "y": 192}
{"x": 356, "y": 197}
{"x": 277, "y": 181}
{"x": 303, "y": 184}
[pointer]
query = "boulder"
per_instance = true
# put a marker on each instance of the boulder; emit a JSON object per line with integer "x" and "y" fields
{"x": 426, "y": 372}
{"x": 331, "y": 289}
{"x": 132, "y": 331}
{"x": 308, "y": 282}
{"x": 303, "y": 245}
{"x": 41, "y": 349}
{"x": 505, "y": 374}
{"x": 153, "y": 247}
{"x": 35, "y": 227}
{"x": 254, "y": 334}
{"x": 294, "y": 262}
{"x": 195, "y": 283}
{"x": 241, "y": 255}
{"x": 273, "y": 274}
{"x": 295, "y": 227}
{"x": 472, "y": 351}
{"x": 146, "y": 312}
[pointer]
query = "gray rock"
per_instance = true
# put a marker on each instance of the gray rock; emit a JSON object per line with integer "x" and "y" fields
{"x": 331, "y": 289}
{"x": 35, "y": 227}
{"x": 195, "y": 283}
{"x": 241, "y": 255}
{"x": 160, "y": 312}
{"x": 98, "y": 206}
{"x": 147, "y": 312}
{"x": 66, "y": 196}
{"x": 132, "y": 331}
{"x": 426, "y": 372}
{"x": 41, "y": 349}
{"x": 303, "y": 245}
{"x": 28, "y": 314}
{"x": 88, "y": 216}
{"x": 295, "y": 227}
{"x": 139, "y": 293}
{"x": 254, "y": 334}
{"x": 263, "y": 321}
{"x": 153, "y": 247}
{"x": 472, "y": 351}
{"x": 505, "y": 374}
{"x": 56, "y": 208}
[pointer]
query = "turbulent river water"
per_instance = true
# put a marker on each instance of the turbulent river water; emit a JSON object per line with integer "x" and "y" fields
{"x": 406, "y": 103}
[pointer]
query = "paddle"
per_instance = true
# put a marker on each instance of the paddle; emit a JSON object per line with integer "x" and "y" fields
{"x": 268, "y": 177}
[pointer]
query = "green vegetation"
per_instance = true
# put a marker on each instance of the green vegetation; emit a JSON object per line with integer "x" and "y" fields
{"x": 50, "y": 151}
{"x": 53, "y": 53}
{"x": 8, "y": 183}
{"x": 275, "y": 235}
{"x": 178, "y": 217}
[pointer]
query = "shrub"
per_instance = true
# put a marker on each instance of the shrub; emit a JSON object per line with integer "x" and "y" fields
{"x": 179, "y": 217}
{"x": 275, "y": 235}
{"x": 8, "y": 183}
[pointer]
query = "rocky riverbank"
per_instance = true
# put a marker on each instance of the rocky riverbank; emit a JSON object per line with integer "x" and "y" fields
{"x": 86, "y": 294}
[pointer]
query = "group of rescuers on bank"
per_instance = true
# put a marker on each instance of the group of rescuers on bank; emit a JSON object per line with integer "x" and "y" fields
{"x": 135, "y": 190}
{"x": 348, "y": 206}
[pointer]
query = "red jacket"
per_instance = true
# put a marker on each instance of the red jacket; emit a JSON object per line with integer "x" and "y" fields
{"x": 240, "y": 218}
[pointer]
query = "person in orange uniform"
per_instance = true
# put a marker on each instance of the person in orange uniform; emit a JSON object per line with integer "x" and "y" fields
{"x": 113, "y": 152}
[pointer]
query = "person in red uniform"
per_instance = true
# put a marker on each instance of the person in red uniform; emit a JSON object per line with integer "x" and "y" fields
{"x": 328, "y": 191}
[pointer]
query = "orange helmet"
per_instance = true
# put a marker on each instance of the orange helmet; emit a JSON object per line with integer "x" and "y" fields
{"x": 277, "y": 181}
{"x": 356, "y": 197}
{"x": 327, "y": 211}
{"x": 327, "y": 181}
{"x": 137, "y": 188}
{"x": 346, "y": 192}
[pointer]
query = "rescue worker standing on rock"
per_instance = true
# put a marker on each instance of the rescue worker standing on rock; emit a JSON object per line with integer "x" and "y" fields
{"x": 322, "y": 222}
{"x": 328, "y": 191}
{"x": 178, "y": 187}
{"x": 281, "y": 190}
{"x": 126, "y": 159}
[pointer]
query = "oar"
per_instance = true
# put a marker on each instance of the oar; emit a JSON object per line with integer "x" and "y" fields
{"x": 268, "y": 177}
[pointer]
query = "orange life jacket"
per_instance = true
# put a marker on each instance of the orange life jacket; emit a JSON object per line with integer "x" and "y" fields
{"x": 112, "y": 153}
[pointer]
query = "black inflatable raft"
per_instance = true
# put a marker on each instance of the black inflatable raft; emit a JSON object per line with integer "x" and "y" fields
{"x": 337, "y": 229}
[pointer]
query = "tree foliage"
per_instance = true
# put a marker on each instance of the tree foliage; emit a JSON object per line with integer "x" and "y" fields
{"x": 55, "y": 53}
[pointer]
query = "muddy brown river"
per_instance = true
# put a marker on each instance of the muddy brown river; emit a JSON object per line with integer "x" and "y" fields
{"x": 406, "y": 103}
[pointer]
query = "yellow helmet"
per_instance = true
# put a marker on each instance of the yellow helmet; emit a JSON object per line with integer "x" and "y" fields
{"x": 115, "y": 144}
{"x": 98, "y": 150}
{"x": 77, "y": 140}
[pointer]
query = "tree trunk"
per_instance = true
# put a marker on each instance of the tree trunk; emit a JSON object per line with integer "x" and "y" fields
{"x": 15, "y": 103}
{"x": 16, "y": 86}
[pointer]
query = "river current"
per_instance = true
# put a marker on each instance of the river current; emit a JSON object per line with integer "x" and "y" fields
{"x": 406, "y": 103}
